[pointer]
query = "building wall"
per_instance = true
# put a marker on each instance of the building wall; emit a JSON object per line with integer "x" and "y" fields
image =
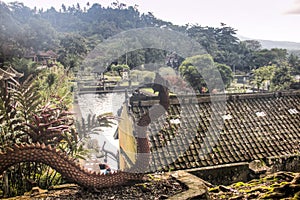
{"x": 126, "y": 139}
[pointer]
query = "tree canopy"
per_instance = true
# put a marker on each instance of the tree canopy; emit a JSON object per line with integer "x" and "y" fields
{"x": 74, "y": 30}
{"x": 203, "y": 74}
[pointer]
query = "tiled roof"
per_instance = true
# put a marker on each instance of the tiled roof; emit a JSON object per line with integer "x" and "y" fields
{"x": 254, "y": 126}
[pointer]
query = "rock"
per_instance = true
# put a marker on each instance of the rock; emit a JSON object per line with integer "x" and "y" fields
{"x": 253, "y": 195}
{"x": 274, "y": 186}
{"x": 260, "y": 189}
{"x": 297, "y": 195}
{"x": 214, "y": 190}
{"x": 224, "y": 189}
{"x": 286, "y": 176}
{"x": 258, "y": 167}
{"x": 274, "y": 195}
{"x": 163, "y": 196}
{"x": 296, "y": 179}
{"x": 37, "y": 191}
{"x": 237, "y": 197}
{"x": 196, "y": 188}
{"x": 64, "y": 186}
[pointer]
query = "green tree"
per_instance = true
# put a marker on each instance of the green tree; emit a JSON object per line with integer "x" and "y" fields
{"x": 63, "y": 7}
{"x": 252, "y": 45}
{"x": 282, "y": 78}
{"x": 120, "y": 69}
{"x": 263, "y": 74}
{"x": 73, "y": 49}
{"x": 246, "y": 51}
{"x": 10, "y": 35}
{"x": 294, "y": 63}
{"x": 23, "y": 65}
{"x": 133, "y": 59}
{"x": 266, "y": 57}
{"x": 226, "y": 73}
{"x": 55, "y": 86}
{"x": 39, "y": 35}
{"x": 20, "y": 12}
{"x": 200, "y": 72}
{"x": 226, "y": 39}
{"x": 205, "y": 36}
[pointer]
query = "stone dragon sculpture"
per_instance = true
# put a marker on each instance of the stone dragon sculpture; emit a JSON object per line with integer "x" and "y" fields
{"x": 72, "y": 171}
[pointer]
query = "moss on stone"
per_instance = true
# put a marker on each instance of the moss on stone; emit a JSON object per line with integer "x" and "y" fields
{"x": 238, "y": 184}
{"x": 214, "y": 190}
{"x": 275, "y": 186}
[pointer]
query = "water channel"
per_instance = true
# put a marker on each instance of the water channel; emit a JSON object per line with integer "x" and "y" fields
{"x": 97, "y": 104}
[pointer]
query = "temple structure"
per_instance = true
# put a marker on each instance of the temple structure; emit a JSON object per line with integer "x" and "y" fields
{"x": 261, "y": 127}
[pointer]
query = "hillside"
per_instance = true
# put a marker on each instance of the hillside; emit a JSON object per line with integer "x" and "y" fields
{"x": 291, "y": 47}
{"x": 269, "y": 44}
{"x": 72, "y": 32}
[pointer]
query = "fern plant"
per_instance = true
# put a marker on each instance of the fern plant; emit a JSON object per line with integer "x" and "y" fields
{"x": 27, "y": 101}
{"x": 93, "y": 123}
{"x": 25, "y": 117}
{"x": 10, "y": 123}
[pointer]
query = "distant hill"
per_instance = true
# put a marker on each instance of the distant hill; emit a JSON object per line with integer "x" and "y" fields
{"x": 269, "y": 44}
{"x": 280, "y": 44}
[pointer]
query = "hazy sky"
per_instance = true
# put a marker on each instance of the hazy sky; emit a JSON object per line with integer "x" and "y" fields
{"x": 258, "y": 19}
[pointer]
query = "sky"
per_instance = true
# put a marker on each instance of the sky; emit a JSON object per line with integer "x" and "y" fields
{"x": 256, "y": 19}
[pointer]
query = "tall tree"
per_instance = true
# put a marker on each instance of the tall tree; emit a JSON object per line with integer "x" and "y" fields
{"x": 294, "y": 63}
{"x": 268, "y": 57}
{"x": 205, "y": 36}
{"x": 73, "y": 49}
{"x": 282, "y": 78}
{"x": 226, "y": 73}
{"x": 252, "y": 45}
{"x": 263, "y": 74}
{"x": 228, "y": 45}
{"x": 63, "y": 7}
{"x": 200, "y": 72}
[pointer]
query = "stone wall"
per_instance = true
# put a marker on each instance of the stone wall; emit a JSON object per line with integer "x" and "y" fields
{"x": 231, "y": 173}
{"x": 284, "y": 163}
{"x": 223, "y": 174}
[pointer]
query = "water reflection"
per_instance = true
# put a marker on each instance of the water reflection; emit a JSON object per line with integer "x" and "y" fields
{"x": 97, "y": 104}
